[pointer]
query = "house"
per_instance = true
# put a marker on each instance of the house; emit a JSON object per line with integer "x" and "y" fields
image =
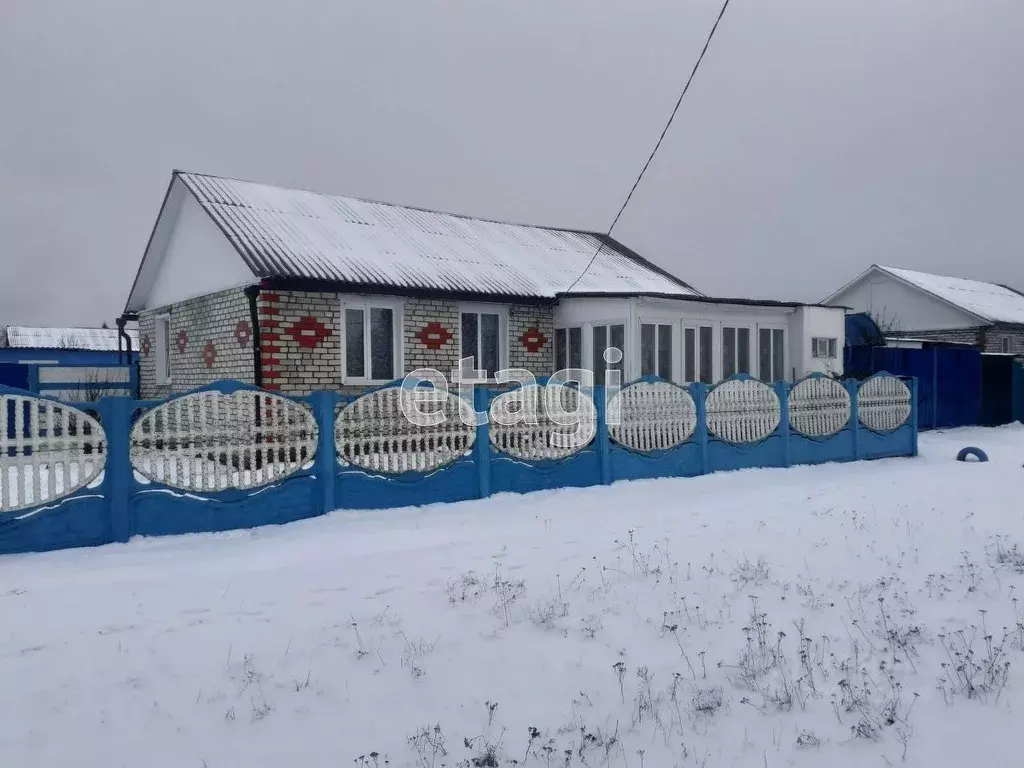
{"x": 30, "y": 358}
{"x": 923, "y": 307}
{"x": 297, "y": 291}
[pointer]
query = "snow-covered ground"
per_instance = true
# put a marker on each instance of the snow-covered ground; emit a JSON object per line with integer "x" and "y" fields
{"x": 842, "y": 615}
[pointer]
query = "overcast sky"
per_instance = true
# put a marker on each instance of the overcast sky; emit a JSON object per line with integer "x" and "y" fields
{"x": 820, "y": 135}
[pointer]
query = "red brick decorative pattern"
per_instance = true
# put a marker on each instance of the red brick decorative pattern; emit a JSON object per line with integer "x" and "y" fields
{"x": 270, "y": 339}
{"x": 209, "y": 354}
{"x": 145, "y": 345}
{"x": 243, "y": 333}
{"x": 182, "y": 341}
{"x": 433, "y": 335}
{"x": 533, "y": 340}
{"x": 309, "y": 332}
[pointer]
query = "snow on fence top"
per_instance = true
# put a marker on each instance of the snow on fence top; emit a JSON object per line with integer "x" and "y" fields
{"x": 91, "y": 339}
{"x": 293, "y": 233}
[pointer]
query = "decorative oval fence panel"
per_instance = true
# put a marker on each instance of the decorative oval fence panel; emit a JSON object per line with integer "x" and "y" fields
{"x": 535, "y": 422}
{"x": 743, "y": 411}
{"x": 48, "y": 450}
{"x": 212, "y": 441}
{"x": 883, "y": 403}
{"x": 819, "y": 407}
{"x": 375, "y": 433}
{"x": 652, "y": 416}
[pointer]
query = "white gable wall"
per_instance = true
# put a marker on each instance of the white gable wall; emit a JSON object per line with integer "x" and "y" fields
{"x": 817, "y": 322}
{"x": 900, "y": 307}
{"x": 197, "y": 260}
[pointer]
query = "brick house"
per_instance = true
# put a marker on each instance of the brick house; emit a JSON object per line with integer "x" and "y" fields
{"x": 929, "y": 307}
{"x": 297, "y": 291}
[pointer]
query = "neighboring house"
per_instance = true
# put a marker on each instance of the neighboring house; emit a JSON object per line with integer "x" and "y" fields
{"x": 919, "y": 306}
{"x": 298, "y": 291}
{"x": 61, "y": 346}
{"x": 41, "y": 359}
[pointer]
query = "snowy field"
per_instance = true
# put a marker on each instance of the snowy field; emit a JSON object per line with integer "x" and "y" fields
{"x": 846, "y": 615}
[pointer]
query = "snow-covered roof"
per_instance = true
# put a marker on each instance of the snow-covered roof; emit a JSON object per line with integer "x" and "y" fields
{"x": 92, "y": 339}
{"x": 989, "y": 301}
{"x": 289, "y": 233}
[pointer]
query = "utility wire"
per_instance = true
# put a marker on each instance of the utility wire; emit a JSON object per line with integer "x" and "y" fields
{"x": 657, "y": 146}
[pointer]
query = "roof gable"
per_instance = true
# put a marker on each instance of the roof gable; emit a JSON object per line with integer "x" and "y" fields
{"x": 304, "y": 235}
{"x": 990, "y": 301}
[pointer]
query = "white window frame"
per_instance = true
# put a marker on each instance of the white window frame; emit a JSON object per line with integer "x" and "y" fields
{"x": 673, "y": 345}
{"x": 751, "y": 346}
{"x": 501, "y": 310}
{"x": 715, "y": 362}
{"x": 554, "y": 346}
{"x": 1005, "y": 345}
{"x": 162, "y": 349}
{"x": 588, "y": 347}
{"x": 397, "y": 307}
{"x": 831, "y": 347}
{"x": 757, "y": 348}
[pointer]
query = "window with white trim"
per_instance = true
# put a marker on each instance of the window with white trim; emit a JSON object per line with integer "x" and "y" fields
{"x": 370, "y": 345}
{"x": 1006, "y": 344}
{"x": 606, "y": 337}
{"x": 823, "y": 347}
{"x": 656, "y": 350}
{"x": 698, "y": 354}
{"x": 483, "y": 341}
{"x": 735, "y": 351}
{"x": 771, "y": 350}
{"x": 568, "y": 348}
{"x": 162, "y": 349}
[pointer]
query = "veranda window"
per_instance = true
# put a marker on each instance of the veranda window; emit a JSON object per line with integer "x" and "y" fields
{"x": 607, "y": 337}
{"x": 568, "y": 348}
{"x": 656, "y": 350}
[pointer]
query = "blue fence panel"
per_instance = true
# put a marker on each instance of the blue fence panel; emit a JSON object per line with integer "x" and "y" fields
{"x": 178, "y": 491}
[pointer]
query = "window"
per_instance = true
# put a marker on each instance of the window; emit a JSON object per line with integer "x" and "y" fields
{"x": 370, "y": 349}
{"x": 568, "y": 348}
{"x": 823, "y": 347}
{"x": 607, "y": 337}
{"x": 656, "y": 350}
{"x": 163, "y": 349}
{"x": 697, "y": 354}
{"x": 735, "y": 351}
{"x": 771, "y": 345}
{"x": 1006, "y": 344}
{"x": 481, "y": 340}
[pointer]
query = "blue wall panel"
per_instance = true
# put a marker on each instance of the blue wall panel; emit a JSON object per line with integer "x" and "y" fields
{"x": 579, "y": 471}
{"x": 725, "y": 456}
{"x": 80, "y": 520}
{"x": 356, "y": 489}
{"x": 807, "y": 450}
{"x": 682, "y": 461}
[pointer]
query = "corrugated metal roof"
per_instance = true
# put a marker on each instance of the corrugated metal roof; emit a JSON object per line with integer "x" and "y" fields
{"x": 990, "y": 301}
{"x": 298, "y": 234}
{"x": 92, "y": 339}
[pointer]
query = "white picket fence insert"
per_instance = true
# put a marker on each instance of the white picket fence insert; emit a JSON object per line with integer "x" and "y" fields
{"x": 48, "y": 451}
{"x": 550, "y": 422}
{"x": 819, "y": 407}
{"x": 883, "y": 403}
{"x": 211, "y": 441}
{"x": 743, "y": 411}
{"x": 373, "y": 433}
{"x": 652, "y": 416}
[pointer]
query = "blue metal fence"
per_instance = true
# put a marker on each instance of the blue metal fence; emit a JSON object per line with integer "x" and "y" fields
{"x": 125, "y": 500}
{"x": 949, "y": 390}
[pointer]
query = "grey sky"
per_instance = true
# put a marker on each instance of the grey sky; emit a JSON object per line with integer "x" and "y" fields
{"x": 819, "y": 136}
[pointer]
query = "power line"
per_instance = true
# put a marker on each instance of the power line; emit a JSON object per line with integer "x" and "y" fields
{"x": 657, "y": 145}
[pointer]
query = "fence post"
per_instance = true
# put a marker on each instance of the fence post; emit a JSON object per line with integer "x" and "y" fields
{"x": 913, "y": 415}
{"x": 782, "y": 391}
{"x": 853, "y": 387}
{"x": 700, "y": 393}
{"x": 482, "y": 448}
{"x": 33, "y": 379}
{"x": 603, "y": 444}
{"x": 116, "y": 417}
{"x": 324, "y": 406}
